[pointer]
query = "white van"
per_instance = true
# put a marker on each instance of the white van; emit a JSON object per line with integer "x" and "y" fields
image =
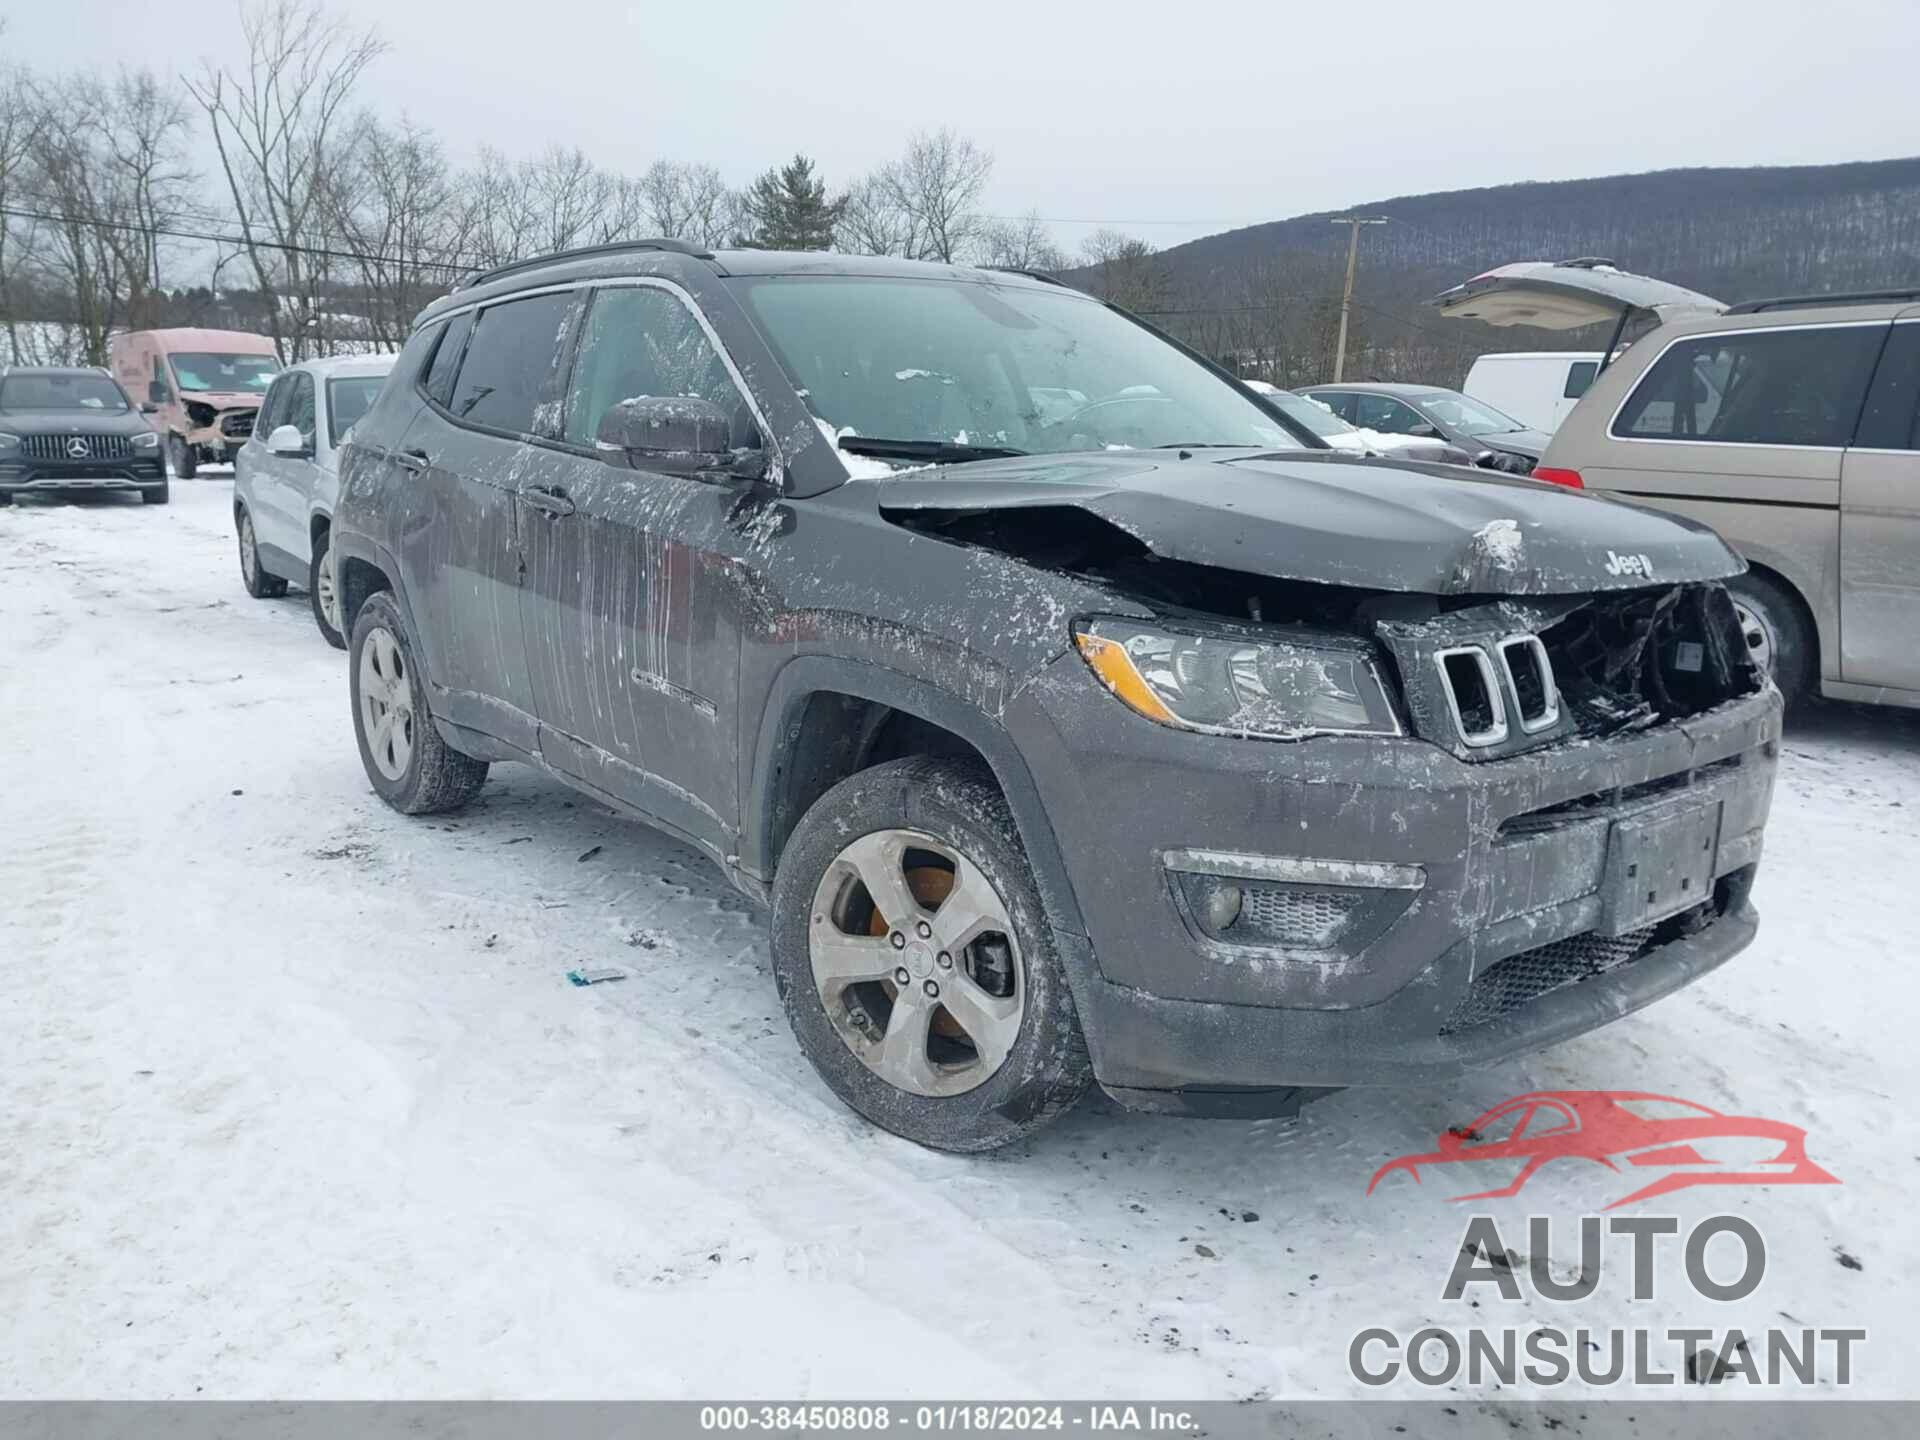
{"x": 1537, "y": 387}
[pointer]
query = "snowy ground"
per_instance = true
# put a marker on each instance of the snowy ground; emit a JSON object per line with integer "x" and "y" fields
{"x": 294, "y": 1098}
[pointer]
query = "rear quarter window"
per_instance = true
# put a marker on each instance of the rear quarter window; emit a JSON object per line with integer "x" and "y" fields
{"x": 1764, "y": 387}
{"x": 445, "y": 364}
{"x": 1580, "y": 378}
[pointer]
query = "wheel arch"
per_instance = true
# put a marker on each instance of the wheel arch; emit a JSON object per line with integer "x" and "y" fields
{"x": 826, "y": 719}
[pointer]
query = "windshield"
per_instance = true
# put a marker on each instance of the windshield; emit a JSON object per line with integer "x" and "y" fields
{"x": 996, "y": 367}
{"x": 61, "y": 392}
{"x": 348, "y": 398}
{"x": 224, "y": 372}
{"x": 1469, "y": 417}
{"x": 1310, "y": 413}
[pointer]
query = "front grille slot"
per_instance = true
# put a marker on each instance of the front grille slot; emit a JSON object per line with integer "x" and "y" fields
{"x": 1473, "y": 695}
{"x": 237, "y": 424}
{"x": 61, "y": 448}
{"x": 1530, "y": 678}
{"x": 1584, "y": 807}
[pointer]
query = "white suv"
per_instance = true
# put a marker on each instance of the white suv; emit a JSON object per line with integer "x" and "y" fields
{"x": 287, "y": 477}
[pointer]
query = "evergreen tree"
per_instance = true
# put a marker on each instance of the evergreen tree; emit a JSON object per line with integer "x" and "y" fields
{"x": 790, "y": 210}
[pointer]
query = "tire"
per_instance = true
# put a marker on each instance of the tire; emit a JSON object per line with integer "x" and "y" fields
{"x": 6, "y": 498}
{"x": 411, "y": 767}
{"x": 1030, "y": 1070}
{"x": 181, "y": 456}
{"x": 260, "y": 585}
{"x": 1776, "y": 625}
{"x": 155, "y": 495}
{"x": 321, "y": 592}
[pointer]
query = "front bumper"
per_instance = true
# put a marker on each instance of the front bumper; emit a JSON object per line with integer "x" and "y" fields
{"x": 1510, "y": 858}
{"x": 24, "y": 477}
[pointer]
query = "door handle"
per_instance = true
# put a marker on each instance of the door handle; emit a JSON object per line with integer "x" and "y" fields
{"x": 550, "y": 499}
{"x": 415, "y": 461}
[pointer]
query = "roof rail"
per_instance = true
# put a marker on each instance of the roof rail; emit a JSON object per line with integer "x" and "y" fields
{"x": 1807, "y": 302}
{"x": 618, "y": 247}
{"x": 1042, "y": 276}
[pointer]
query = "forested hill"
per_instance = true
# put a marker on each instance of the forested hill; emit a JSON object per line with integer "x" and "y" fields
{"x": 1733, "y": 233}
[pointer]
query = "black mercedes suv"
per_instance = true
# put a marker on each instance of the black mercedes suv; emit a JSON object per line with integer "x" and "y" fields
{"x": 66, "y": 429}
{"x": 1076, "y": 718}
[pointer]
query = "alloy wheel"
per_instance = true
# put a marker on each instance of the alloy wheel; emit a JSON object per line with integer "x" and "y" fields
{"x": 386, "y": 703}
{"x": 249, "y": 553}
{"x": 915, "y": 959}
{"x": 328, "y": 597}
{"x": 1758, "y": 635}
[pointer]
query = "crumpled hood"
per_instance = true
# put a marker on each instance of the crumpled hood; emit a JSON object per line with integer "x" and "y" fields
{"x": 1338, "y": 520}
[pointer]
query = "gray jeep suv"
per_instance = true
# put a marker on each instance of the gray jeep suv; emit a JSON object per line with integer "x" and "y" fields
{"x": 1077, "y": 719}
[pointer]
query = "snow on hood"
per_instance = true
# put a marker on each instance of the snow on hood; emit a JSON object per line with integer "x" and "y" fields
{"x": 1336, "y": 520}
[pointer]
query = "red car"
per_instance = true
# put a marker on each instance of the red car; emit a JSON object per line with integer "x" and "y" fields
{"x": 1692, "y": 1143}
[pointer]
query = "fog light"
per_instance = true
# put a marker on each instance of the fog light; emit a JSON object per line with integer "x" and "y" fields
{"x": 1220, "y": 907}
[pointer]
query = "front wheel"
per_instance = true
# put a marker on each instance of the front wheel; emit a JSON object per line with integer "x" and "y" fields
{"x": 260, "y": 584}
{"x": 322, "y": 591}
{"x": 181, "y": 456}
{"x": 915, "y": 961}
{"x": 155, "y": 494}
{"x": 411, "y": 767}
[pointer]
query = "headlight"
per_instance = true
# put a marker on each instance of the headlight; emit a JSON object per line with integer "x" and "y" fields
{"x": 9, "y": 442}
{"x": 147, "y": 440}
{"x": 1228, "y": 684}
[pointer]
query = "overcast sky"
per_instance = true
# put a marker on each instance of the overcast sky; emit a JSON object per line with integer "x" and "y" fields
{"x": 1170, "y": 119}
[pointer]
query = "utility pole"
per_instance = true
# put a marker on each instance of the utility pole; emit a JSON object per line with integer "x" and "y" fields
{"x": 1346, "y": 296}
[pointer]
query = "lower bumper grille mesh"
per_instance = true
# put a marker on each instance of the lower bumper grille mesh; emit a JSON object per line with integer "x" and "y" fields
{"x": 1506, "y": 985}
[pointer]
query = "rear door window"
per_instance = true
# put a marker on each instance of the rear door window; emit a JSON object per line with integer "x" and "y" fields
{"x": 1386, "y": 414}
{"x": 1891, "y": 420}
{"x": 508, "y": 369}
{"x": 1764, "y": 387}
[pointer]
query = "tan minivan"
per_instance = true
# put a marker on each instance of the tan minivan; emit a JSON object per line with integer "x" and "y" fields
{"x": 1792, "y": 427}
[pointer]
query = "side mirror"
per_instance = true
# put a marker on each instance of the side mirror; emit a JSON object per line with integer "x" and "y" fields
{"x": 149, "y": 409}
{"x": 1425, "y": 432}
{"x": 679, "y": 435}
{"x": 287, "y": 440}
{"x": 157, "y": 393}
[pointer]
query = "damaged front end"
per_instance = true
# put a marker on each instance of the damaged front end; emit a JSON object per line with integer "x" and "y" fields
{"x": 1411, "y": 802}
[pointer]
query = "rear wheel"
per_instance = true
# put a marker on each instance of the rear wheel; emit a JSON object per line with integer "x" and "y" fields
{"x": 411, "y": 767}
{"x": 915, "y": 961}
{"x": 1778, "y": 633}
{"x": 323, "y": 592}
{"x": 253, "y": 575}
{"x": 181, "y": 456}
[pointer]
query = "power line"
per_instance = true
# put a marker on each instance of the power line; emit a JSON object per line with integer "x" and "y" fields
{"x": 240, "y": 241}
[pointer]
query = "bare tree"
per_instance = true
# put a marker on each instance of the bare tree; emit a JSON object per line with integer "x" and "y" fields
{"x": 21, "y": 117}
{"x": 690, "y": 202}
{"x": 871, "y": 223}
{"x": 140, "y": 135}
{"x": 1023, "y": 244}
{"x": 937, "y": 186}
{"x": 1127, "y": 270}
{"x": 76, "y": 244}
{"x": 396, "y": 211}
{"x": 277, "y": 125}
